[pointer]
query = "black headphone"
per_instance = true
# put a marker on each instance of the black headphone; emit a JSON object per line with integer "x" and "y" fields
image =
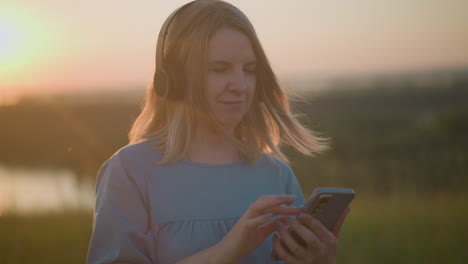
{"x": 163, "y": 84}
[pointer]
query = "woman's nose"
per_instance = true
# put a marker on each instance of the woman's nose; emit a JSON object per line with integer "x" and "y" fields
{"x": 238, "y": 81}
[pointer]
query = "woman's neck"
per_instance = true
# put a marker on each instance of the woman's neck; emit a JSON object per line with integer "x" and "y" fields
{"x": 210, "y": 146}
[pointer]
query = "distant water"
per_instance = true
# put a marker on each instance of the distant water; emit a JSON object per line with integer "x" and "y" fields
{"x": 32, "y": 191}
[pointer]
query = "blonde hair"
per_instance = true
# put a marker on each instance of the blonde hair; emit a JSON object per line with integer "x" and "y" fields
{"x": 269, "y": 121}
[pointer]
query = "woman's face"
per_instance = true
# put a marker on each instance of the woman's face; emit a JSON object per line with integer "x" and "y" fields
{"x": 231, "y": 77}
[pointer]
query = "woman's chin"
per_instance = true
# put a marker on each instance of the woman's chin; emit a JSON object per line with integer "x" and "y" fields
{"x": 230, "y": 123}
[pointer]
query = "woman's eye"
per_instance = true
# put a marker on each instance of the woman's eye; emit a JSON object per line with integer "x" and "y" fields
{"x": 222, "y": 70}
{"x": 219, "y": 70}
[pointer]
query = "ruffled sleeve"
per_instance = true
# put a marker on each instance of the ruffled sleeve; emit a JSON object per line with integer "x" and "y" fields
{"x": 121, "y": 226}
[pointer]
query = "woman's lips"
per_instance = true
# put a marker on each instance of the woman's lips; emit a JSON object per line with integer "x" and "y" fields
{"x": 231, "y": 102}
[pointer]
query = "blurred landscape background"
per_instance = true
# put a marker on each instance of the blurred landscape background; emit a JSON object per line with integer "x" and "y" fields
{"x": 399, "y": 141}
{"x": 386, "y": 82}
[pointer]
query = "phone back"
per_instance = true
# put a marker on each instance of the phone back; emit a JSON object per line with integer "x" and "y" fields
{"x": 327, "y": 204}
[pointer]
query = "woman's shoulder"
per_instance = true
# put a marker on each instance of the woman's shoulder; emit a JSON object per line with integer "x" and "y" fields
{"x": 274, "y": 161}
{"x": 132, "y": 160}
{"x": 144, "y": 147}
{"x": 136, "y": 152}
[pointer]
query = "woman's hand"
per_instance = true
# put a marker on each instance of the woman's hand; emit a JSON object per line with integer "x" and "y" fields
{"x": 321, "y": 244}
{"x": 257, "y": 224}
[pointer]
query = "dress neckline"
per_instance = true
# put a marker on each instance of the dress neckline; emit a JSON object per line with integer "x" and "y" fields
{"x": 213, "y": 165}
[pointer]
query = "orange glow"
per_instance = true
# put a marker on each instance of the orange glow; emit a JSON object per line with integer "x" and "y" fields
{"x": 52, "y": 46}
{"x": 27, "y": 44}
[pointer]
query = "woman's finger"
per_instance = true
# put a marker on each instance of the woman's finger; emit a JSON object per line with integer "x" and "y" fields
{"x": 309, "y": 237}
{"x": 274, "y": 200}
{"x": 281, "y": 252}
{"x": 257, "y": 221}
{"x": 265, "y": 202}
{"x": 337, "y": 227}
{"x": 271, "y": 226}
{"x": 286, "y": 219}
{"x": 322, "y": 233}
{"x": 284, "y": 210}
{"x": 291, "y": 244}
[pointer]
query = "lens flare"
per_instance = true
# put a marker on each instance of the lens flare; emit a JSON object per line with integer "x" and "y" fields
{"x": 28, "y": 40}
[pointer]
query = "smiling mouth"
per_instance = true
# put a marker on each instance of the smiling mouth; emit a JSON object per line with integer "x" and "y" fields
{"x": 231, "y": 102}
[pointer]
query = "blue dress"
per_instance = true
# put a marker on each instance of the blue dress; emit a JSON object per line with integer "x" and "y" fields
{"x": 163, "y": 214}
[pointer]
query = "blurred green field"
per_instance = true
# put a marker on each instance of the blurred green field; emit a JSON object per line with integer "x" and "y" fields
{"x": 54, "y": 238}
{"x": 406, "y": 229}
{"x": 400, "y": 140}
{"x": 399, "y": 229}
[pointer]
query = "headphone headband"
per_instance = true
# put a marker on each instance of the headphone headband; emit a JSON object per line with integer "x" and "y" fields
{"x": 161, "y": 80}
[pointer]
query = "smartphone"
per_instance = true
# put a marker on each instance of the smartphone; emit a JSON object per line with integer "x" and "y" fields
{"x": 326, "y": 205}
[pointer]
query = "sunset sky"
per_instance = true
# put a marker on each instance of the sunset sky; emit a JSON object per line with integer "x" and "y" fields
{"x": 63, "y": 45}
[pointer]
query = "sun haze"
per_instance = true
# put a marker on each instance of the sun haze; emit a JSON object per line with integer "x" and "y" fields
{"x": 54, "y": 45}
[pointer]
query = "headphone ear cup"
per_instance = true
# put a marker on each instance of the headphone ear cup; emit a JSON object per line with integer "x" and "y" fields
{"x": 176, "y": 82}
{"x": 161, "y": 84}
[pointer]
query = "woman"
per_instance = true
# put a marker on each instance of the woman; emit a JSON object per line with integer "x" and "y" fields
{"x": 203, "y": 179}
